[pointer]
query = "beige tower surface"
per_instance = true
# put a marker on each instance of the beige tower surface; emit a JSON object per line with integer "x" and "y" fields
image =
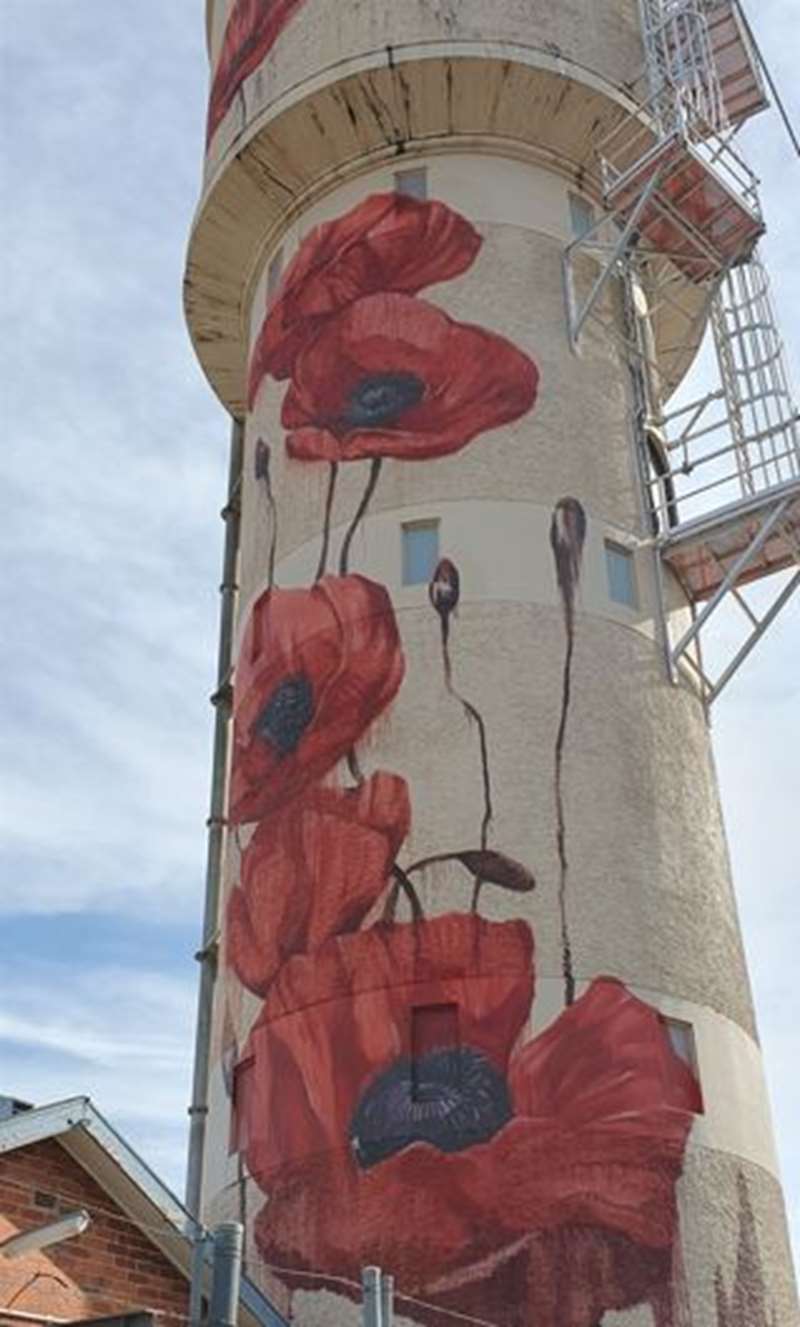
{"x": 523, "y": 1078}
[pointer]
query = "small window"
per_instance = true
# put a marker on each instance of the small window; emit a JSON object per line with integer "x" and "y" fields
{"x": 581, "y": 215}
{"x": 621, "y": 575}
{"x": 414, "y": 183}
{"x": 242, "y": 1084}
{"x": 420, "y": 551}
{"x": 681, "y": 1036}
{"x": 434, "y": 1027}
{"x": 274, "y": 274}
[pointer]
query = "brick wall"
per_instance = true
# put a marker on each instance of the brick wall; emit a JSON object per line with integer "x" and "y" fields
{"x": 110, "y": 1268}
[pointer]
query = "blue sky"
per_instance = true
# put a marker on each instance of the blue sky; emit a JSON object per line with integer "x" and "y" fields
{"x": 114, "y": 463}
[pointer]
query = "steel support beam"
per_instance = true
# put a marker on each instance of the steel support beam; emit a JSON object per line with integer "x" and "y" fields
{"x": 754, "y": 637}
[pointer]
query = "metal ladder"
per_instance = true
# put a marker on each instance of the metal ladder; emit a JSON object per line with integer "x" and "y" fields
{"x": 728, "y": 487}
{"x": 741, "y": 439}
{"x": 680, "y": 66}
{"x": 761, "y": 412}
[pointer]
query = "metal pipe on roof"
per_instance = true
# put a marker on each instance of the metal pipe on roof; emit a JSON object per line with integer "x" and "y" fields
{"x": 207, "y": 955}
{"x": 227, "y": 1275}
{"x": 372, "y": 1302}
{"x": 387, "y": 1299}
{"x": 31, "y": 1241}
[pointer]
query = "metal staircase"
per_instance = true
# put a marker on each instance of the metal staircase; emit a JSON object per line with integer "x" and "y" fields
{"x": 727, "y": 491}
{"x": 738, "y": 72}
{"x": 681, "y": 213}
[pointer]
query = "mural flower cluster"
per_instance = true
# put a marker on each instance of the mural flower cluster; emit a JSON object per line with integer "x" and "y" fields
{"x": 539, "y": 1170}
{"x": 387, "y": 243}
{"x": 559, "y": 1156}
{"x": 374, "y": 370}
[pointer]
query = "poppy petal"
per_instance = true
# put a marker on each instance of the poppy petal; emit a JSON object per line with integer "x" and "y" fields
{"x": 470, "y": 381}
{"x": 250, "y": 34}
{"x": 312, "y": 872}
{"x": 568, "y": 1210}
{"x": 315, "y": 668}
{"x": 343, "y": 1015}
{"x": 387, "y": 242}
{"x": 606, "y": 1057}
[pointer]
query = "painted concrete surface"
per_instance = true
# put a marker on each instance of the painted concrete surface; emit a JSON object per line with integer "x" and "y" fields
{"x": 504, "y": 717}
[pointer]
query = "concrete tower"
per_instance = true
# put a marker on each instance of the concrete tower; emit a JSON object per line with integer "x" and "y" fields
{"x": 474, "y": 1005}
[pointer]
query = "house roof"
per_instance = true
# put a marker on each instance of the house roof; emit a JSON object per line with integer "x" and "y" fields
{"x": 118, "y": 1169}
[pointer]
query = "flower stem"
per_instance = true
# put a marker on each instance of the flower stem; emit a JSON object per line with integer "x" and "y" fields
{"x": 366, "y": 497}
{"x": 263, "y": 473}
{"x": 561, "y": 836}
{"x": 372, "y": 482}
{"x": 402, "y": 884}
{"x": 326, "y": 524}
{"x": 475, "y": 715}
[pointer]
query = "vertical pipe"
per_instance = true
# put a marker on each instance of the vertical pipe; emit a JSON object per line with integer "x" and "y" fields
{"x": 387, "y": 1299}
{"x": 201, "y": 1239}
{"x": 642, "y": 409}
{"x": 207, "y": 955}
{"x": 371, "y": 1283}
{"x": 227, "y": 1274}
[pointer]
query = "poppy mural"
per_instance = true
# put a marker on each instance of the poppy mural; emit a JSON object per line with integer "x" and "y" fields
{"x": 252, "y": 29}
{"x": 389, "y": 243}
{"x": 315, "y": 668}
{"x": 391, "y": 1066}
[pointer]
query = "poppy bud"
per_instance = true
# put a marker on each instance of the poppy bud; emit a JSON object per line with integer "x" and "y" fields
{"x": 567, "y": 538}
{"x": 445, "y": 588}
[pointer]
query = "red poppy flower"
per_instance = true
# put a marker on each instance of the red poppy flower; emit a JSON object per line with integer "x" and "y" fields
{"x": 335, "y": 1019}
{"x": 315, "y": 668}
{"x": 312, "y": 872}
{"x": 250, "y": 34}
{"x": 393, "y": 376}
{"x": 571, "y": 1198}
{"x": 388, "y": 242}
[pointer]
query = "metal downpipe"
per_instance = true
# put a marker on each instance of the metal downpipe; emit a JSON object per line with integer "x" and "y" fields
{"x": 207, "y": 955}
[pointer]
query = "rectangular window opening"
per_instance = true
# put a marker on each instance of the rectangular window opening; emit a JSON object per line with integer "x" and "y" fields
{"x": 621, "y": 573}
{"x": 420, "y": 551}
{"x": 581, "y": 216}
{"x": 413, "y": 183}
{"x": 434, "y": 1027}
{"x": 682, "y": 1041}
{"x": 240, "y": 1081}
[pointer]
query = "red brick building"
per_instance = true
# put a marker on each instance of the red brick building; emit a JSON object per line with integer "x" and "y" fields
{"x": 135, "y": 1256}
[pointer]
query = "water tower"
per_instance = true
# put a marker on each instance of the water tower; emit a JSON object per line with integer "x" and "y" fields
{"x": 474, "y": 1006}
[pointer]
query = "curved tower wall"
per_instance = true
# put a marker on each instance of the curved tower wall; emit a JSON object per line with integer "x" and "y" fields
{"x": 525, "y": 1078}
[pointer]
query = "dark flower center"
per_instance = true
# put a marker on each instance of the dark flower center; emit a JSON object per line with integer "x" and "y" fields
{"x": 287, "y": 714}
{"x": 381, "y": 398}
{"x": 451, "y": 1099}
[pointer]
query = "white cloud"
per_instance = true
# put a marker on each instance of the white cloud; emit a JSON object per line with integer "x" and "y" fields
{"x": 119, "y": 1035}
